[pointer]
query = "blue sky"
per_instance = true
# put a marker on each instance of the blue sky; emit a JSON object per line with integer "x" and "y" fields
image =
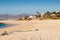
{"x": 28, "y": 6}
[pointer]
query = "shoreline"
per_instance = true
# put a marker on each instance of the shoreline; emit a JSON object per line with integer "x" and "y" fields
{"x": 42, "y": 25}
{"x": 34, "y": 29}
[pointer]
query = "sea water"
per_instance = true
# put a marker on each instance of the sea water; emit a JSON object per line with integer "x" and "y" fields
{"x": 2, "y": 25}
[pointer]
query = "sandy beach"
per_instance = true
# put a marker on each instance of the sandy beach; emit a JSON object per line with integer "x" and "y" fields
{"x": 48, "y": 29}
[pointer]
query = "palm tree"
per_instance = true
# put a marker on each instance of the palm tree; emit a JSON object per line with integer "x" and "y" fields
{"x": 38, "y": 15}
{"x": 46, "y": 15}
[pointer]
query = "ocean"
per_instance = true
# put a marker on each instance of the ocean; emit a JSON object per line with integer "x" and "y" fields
{"x": 2, "y": 25}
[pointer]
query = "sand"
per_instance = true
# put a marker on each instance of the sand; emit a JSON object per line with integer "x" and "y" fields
{"x": 26, "y": 30}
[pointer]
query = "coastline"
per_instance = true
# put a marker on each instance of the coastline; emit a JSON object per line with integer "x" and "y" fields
{"x": 47, "y": 29}
{"x": 42, "y": 25}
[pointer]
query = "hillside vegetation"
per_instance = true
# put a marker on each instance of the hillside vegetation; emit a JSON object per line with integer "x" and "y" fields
{"x": 38, "y": 16}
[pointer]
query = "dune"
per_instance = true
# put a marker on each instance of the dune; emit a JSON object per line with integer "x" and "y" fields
{"x": 26, "y": 30}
